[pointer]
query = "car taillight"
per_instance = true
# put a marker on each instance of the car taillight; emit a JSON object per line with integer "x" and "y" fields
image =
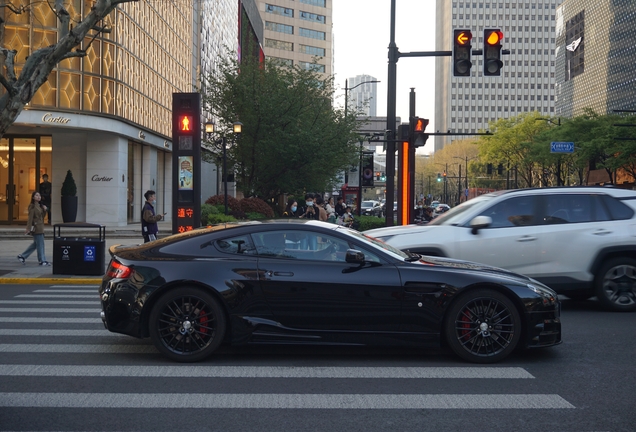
{"x": 118, "y": 271}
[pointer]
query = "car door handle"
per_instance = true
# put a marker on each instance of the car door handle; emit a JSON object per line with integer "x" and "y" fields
{"x": 275, "y": 273}
{"x": 526, "y": 239}
{"x": 602, "y": 232}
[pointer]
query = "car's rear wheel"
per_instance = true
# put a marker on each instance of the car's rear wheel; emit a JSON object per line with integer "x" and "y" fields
{"x": 187, "y": 324}
{"x": 616, "y": 284}
{"x": 483, "y": 326}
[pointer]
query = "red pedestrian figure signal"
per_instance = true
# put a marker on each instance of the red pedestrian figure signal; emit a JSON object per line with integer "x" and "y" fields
{"x": 185, "y": 123}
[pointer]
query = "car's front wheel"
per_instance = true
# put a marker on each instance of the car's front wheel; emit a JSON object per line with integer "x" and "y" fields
{"x": 187, "y": 324}
{"x": 482, "y": 326}
{"x": 616, "y": 284}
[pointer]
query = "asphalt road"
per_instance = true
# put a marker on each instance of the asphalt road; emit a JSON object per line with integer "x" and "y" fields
{"x": 61, "y": 370}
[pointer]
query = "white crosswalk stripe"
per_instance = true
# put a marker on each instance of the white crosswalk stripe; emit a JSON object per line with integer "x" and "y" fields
{"x": 61, "y": 305}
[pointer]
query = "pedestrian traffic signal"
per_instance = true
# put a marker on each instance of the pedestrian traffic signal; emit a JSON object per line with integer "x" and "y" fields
{"x": 417, "y": 136}
{"x": 492, "y": 52}
{"x": 462, "y": 50}
{"x": 439, "y": 177}
{"x": 367, "y": 169}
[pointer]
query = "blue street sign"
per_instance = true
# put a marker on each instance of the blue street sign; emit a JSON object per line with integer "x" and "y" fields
{"x": 561, "y": 147}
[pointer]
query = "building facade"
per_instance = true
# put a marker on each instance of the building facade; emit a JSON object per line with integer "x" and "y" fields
{"x": 297, "y": 32}
{"x": 595, "y": 56}
{"x": 106, "y": 117}
{"x": 363, "y": 97}
{"x": 527, "y": 81}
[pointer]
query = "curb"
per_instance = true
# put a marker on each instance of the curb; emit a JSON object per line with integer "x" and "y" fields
{"x": 49, "y": 281}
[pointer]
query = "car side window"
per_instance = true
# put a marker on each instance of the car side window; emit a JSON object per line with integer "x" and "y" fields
{"x": 567, "y": 208}
{"x": 617, "y": 209}
{"x": 517, "y": 211}
{"x": 235, "y": 245}
{"x": 300, "y": 245}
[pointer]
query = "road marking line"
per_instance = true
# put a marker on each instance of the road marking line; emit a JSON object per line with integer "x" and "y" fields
{"x": 284, "y": 401}
{"x": 94, "y": 291}
{"x": 75, "y": 286}
{"x": 93, "y": 296}
{"x": 61, "y": 333}
{"x": 50, "y": 302}
{"x": 77, "y": 349}
{"x": 266, "y": 372}
{"x": 50, "y": 320}
{"x": 54, "y": 310}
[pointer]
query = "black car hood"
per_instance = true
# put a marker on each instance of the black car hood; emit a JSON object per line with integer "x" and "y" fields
{"x": 468, "y": 265}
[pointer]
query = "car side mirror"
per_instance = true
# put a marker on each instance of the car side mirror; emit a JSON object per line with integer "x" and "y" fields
{"x": 354, "y": 256}
{"x": 480, "y": 222}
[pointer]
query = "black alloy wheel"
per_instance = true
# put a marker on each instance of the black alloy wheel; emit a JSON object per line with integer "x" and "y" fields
{"x": 187, "y": 324}
{"x": 483, "y": 326}
{"x": 616, "y": 285}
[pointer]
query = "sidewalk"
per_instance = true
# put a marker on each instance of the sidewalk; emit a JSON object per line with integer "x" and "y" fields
{"x": 13, "y": 242}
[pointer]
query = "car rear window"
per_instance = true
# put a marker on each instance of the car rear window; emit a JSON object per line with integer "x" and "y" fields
{"x": 617, "y": 209}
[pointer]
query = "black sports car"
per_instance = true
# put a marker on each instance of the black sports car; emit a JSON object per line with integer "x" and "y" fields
{"x": 310, "y": 282}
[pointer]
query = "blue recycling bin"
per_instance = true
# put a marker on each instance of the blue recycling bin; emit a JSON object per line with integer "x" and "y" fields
{"x": 79, "y": 249}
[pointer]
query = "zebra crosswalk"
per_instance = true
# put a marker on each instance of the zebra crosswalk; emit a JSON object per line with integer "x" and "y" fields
{"x": 55, "y": 333}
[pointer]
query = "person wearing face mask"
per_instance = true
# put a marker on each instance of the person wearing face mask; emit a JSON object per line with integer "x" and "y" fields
{"x": 291, "y": 211}
{"x": 149, "y": 219}
{"x": 311, "y": 212}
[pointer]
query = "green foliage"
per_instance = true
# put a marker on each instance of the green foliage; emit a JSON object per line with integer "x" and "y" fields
{"x": 216, "y": 218}
{"x": 219, "y": 202}
{"x": 293, "y": 140}
{"x": 206, "y": 211}
{"x": 68, "y": 186}
{"x": 255, "y": 205}
{"x": 369, "y": 222}
{"x": 256, "y": 216}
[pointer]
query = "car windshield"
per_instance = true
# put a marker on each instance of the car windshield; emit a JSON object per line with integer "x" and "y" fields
{"x": 367, "y": 204}
{"x": 452, "y": 216}
{"x": 375, "y": 243}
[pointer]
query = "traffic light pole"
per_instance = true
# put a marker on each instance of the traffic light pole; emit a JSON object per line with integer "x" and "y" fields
{"x": 391, "y": 118}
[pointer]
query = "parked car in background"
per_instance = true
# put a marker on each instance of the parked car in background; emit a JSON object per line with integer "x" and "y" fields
{"x": 371, "y": 208}
{"x": 440, "y": 208}
{"x": 434, "y": 204}
{"x": 316, "y": 283}
{"x": 580, "y": 241}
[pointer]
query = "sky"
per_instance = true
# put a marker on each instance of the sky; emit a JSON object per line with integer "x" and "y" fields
{"x": 362, "y": 32}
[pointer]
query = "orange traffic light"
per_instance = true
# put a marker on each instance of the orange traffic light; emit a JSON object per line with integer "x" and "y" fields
{"x": 492, "y": 52}
{"x": 462, "y": 51}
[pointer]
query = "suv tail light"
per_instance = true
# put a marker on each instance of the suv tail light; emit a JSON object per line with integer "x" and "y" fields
{"x": 118, "y": 271}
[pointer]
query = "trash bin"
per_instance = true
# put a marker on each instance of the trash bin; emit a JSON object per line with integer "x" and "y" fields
{"x": 77, "y": 253}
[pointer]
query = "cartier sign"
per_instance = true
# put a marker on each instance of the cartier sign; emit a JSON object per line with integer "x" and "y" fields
{"x": 97, "y": 178}
{"x": 49, "y": 118}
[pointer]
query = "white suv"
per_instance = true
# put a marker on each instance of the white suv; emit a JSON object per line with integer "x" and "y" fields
{"x": 580, "y": 241}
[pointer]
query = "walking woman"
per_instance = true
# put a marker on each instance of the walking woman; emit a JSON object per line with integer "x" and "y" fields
{"x": 35, "y": 227}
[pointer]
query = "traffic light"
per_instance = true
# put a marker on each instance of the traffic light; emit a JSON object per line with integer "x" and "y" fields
{"x": 462, "y": 50}
{"x": 377, "y": 175}
{"x": 367, "y": 169}
{"x": 383, "y": 177}
{"x": 417, "y": 127}
{"x": 444, "y": 175}
{"x": 439, "y": 177}
{"x": 492, "y": 52}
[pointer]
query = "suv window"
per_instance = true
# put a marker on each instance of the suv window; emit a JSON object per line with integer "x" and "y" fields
{"x": 567, "y": 208}
{"x": 517, "y": 211}
{"x": 617, "y": 209}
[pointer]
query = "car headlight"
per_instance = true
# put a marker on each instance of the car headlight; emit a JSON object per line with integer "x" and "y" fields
{"x": 549, "y": 297}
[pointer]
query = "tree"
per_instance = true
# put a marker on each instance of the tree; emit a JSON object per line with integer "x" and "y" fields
{"x": 19, "y": 90}
{"x": 293, "y": 140}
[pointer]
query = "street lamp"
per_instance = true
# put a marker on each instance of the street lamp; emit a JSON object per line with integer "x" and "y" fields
{"x": 236, "y": 129}
{"x": 347, "y": 91}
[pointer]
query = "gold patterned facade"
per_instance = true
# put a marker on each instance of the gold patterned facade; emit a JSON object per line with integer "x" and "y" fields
{"x": 129, "y": 73}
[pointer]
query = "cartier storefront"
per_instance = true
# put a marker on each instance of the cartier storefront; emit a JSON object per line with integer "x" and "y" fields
{"x": 112, "y": 163}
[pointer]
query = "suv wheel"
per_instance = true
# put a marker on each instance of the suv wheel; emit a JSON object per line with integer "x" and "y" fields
{"x": 616, "y": 284}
